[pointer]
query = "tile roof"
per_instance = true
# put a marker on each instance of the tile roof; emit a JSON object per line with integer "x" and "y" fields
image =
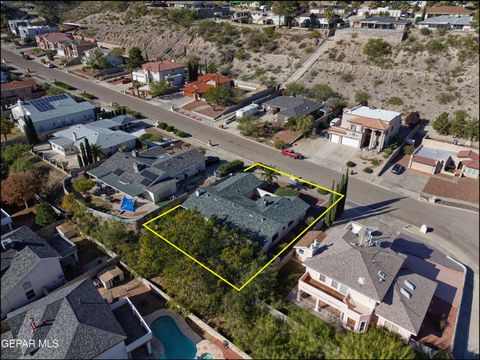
{"x": 156, "y": 166}
{"x": 259, "y": 219}
{"x": 291, "y": 106}
{"x": 218, "y": 79}
{"x": 159, "y": 66}
{"x": 76, "y": 316}
{"x": 402, "y": 311}
{"x": 371, "y": 123}
{"x": 384, "y": 20}
{"x": 447, "y": 19}
{"x": 454, "y": 10}
{"x": 474, "y": 160}
{"x": 55, "y": 37}
{"x": 28, "y": 250}
{"x": 198, "y": 87}
{"x": 19, "y": 84}
{"x": 424, "y": 160}
{"x": 309, "y": 238}
{"x": 337, "y": 129}
{"x": 345, "y": 261}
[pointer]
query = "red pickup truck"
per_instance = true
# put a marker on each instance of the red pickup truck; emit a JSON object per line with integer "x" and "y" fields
{"x": 291, "y": 153}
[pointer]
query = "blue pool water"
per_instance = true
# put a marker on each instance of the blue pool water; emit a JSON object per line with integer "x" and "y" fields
{"x": 176, "y": 345}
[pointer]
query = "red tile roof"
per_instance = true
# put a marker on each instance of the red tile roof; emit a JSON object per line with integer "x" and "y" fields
{"x": 467, "y": 154}
{"x": 54, "y": 37}
{"x": 198, "y": 87}
{"x": 158, "y": 66}
{"x": 19, "y": 84}
{"x": 219, "y": 79}
{"x": 424, "y": 160}
{"x": 337, "y": 129}
{"x": 474, "y": 160}
{"x": 450, "y": 10}
{"x": 371, "y": 123}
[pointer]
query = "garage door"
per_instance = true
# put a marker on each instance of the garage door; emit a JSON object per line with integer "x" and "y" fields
{"x": 335, "y": 139}
{"x": 351, "y": 142}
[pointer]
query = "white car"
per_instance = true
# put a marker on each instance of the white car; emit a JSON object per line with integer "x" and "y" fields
{"x": 49, "y": 65}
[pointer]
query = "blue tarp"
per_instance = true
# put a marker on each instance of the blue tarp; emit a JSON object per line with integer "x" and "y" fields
{"x": 128, "y": 204}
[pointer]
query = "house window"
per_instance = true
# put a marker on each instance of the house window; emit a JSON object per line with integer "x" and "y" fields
{"x": 391, "y": 327}
{"x": 334, "y": 284}
{"x": 322, "y": 278}
{"x": 29, "y": 292}
{"x": 343, "y": 289}
{"x": 363, "y": 326}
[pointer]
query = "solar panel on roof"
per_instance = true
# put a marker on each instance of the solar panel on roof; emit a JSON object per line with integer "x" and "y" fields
{"x": 145, "y": 182}
{"x": 149, "y": 175}
{"x": 118, "y": 172}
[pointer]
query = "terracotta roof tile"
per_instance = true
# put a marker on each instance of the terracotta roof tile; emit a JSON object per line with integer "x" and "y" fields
{"x": 219, "y": 79}
{"x": 371, "y": 123}
{"x": 337, "y": 129}
{"x": 158, "y": 66}
{"x": 424, "y": 160}
{"x": 19, "y": 84}
{"x": 309, "y": 237}
{"x": 54, "y": 37}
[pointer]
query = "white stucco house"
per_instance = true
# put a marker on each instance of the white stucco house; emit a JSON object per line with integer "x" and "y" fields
{"x": 159, "y": 71}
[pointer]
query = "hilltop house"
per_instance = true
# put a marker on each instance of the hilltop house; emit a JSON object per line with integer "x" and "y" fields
{"x": 73, "y": 48}
{"x": 152, "y": 174}
{"x": 159, "y": 71}
{"x": 364, "y": 126}
{"x": 15, "y": 24}
{"x": 286, "y": 107}
{"x": 52, "y": 112}
{"x": 357, "y": 282}
{"x": 51, "y": 40}
{"x": 31, "y": 266}
{"x": 448, "y": 22}
{"x": 433, "y": 157}
{"x": 241, "y": 202}
{"x": 196, "y": 89}
{"x": 76, "y": 323}
{"x": 382, "y": 22}
{"x": 102, "y": 133}
{"x": 434, "y": 11}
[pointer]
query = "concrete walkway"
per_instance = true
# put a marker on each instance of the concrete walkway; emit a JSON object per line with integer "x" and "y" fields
{"x": 308, "y": 63}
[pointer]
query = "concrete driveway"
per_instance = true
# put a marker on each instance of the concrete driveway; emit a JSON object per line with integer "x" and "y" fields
{"x": 322, "y": 152}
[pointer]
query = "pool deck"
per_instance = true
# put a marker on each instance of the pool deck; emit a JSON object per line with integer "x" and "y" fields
{"x": 201, "y": 344}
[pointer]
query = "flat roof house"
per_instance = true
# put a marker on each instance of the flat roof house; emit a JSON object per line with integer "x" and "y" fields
{"x": 448, "y": 10}
{"x": 241, "y": 202}
{"x": 382, "y": 22}
{"x": 366, "y": 126}
{"x": 76, "y": 323}
{"x": 101, "y": 133}
{"x": 31, "y": 266}
{"x": 286, "y": 107}
{"x": 159, "y": 71}
{"x": 355, "y": 281}
{"x": 449, "y": 22}
{"x": 152, "y": 174}
{"x": 53, "y": 112}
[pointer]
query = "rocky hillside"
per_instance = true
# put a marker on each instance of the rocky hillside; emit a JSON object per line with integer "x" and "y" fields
{"x": 430, "y": 73}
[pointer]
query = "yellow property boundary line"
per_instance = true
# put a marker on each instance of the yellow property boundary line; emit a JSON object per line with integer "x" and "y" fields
{"x": 341, "y": 196}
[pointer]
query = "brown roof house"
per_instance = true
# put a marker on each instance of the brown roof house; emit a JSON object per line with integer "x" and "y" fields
{"x": 447, "y": 10}
{"x": 19, "y": 89}
{"x": 366, "y": 126}
{"x": 50, "y": 41}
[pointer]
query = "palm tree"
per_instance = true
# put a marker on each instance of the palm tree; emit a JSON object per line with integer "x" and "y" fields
{"x": 329, "y": 14}
{"x": 136, "y": 85}
{"x": 269, "y": 175}
{"x": 96, "y": 152}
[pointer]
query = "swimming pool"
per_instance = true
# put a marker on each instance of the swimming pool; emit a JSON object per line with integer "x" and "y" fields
{"x": 176, "y": 345}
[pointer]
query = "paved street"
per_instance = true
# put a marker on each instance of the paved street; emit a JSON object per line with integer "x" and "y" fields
{"x": 455, "y": 231}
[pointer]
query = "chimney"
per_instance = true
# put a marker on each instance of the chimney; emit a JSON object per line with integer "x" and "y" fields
{"x": 197, "y": 192}
{"x": 74, "y": 134}
{"x": 137, "y": 167}
{"x": 134, "y": 153}
{"x": 32, "y": 325}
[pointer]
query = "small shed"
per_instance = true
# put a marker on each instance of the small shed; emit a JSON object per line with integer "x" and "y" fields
{"x": 110, "y": 277}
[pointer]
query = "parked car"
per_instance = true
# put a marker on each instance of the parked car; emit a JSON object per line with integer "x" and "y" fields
{"x": 212, "y": 160}
{"x": 397, "y": 169}
{"x": 126, "y": 80}
{"x": 291, "y": 153}
{"x": 49, "y": 65}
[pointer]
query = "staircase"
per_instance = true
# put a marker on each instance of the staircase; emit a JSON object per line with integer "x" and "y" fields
{"x": 169, "y": 47}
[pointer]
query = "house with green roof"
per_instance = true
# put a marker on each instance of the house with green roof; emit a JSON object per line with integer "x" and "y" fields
{"x": 242, "y": 202}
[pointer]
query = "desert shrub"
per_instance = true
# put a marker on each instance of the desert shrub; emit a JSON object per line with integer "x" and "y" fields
{"x": 351, "y": 164}
{"x": 377, "y": 49}
{"x": 278, "y": 143}
{"x": 348, "y": 77}
{"x": 170, "y": 128}
{"x": 286, "y": 191}
{"x": 375, "y": 162}
{"x": 408, "y": 149}
{"x": 368, "y": 170}
{"x": 395, "y": 100}
{"x": 425, "y": 32}
{"x": 361, "y": 96}
{"x": 162, "y": 125}
{"x": 183, "y": 134}
{"x": 231, "y": 167}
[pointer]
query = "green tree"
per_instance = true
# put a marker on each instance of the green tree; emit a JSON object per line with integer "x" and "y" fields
{"x": 84, "y": 154}
{"x": 458, "y": 125}
{"x": 294, "y": 88}
{"x": 6, "y": 127}
{"x": 80, "y": 161}
{"x": 361, "y": 96}
{"x": 96, "y": 152}
{"x": 286, "y": 191}
{"x": 375, "y": 344}
{"x": 82, "y": 184}
{"x": 135, "y": 59}
{"x": 322, "y": 92}
{"x": 30, "y": 132}
{"x": 19, "y": 188}
{"x": 88, "y": 151}
{"x": 475, "y": 20}
{"x": 248, "y": 125}
{"x": 68, "y": 202}
{"x": 377, "y": 50}
{"x": 45, "y": 215}
{"x": 472, "y": 130}
{"x": 112, "y": 233}
{"x": 84, "y": 221}
{"x": 158, "y": 88}
{"x": 269, "y": 176}
{"x": 97, "y": 59}
{"x": 192, "y": 69}
{"x": 21, "y": 165}
{"x": 118, "y": 52}
{"x": 219, "y": 95}
{"x": 442, "y": 124}
{"x": 329, "y": 14}
{"x": 10, "y": 153}
{"x": 288, "y": 9}
{"x": 304, "y": 124}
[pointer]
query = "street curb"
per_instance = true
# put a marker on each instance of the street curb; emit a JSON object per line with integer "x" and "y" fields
{"x": 460, "y": 306}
